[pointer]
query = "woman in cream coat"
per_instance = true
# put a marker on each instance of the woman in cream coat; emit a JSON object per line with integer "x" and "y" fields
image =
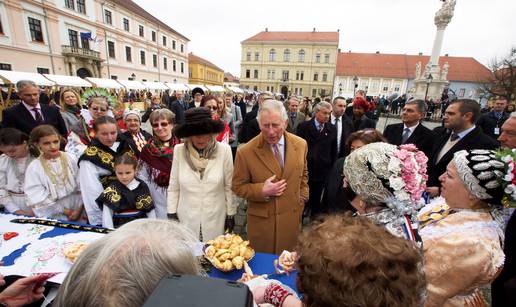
{"x": 199, "y": 193}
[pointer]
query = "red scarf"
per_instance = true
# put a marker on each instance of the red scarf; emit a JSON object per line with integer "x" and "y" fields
{"x": 158, "y": 160}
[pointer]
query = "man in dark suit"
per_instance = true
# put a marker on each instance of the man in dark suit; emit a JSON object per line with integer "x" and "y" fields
{"x": 360, "y": 120}
{"x": 411, "y": 130}
{"x": 492, "y": 122}
{"x": 29, "y": 113}
{"x": 504, "y": 286}
{"x": 294, "y": 117}
{"x": 321, "y": 137}
{"x": 197, "y": 94}
{"x": 178, "y": 106}
{"x": 460, "y": 118}
{"x": 342, "y": 123}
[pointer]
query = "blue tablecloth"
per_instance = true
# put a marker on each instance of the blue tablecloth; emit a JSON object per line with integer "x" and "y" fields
{"x": 261, "y": 263}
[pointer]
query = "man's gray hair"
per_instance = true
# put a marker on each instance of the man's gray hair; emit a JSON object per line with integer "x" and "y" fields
{"x": 272, "y": 106}
{"x": 420, "y": 104}
{"x": 23, "y": 83}
{"x": 124, "y": 267}
{"x": 322, "y": 105}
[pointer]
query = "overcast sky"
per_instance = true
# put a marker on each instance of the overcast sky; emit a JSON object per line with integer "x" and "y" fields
{"x": 481, "y": 29}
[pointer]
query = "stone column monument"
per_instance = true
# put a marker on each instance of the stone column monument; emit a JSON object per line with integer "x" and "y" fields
{"x": 434, "y": 88}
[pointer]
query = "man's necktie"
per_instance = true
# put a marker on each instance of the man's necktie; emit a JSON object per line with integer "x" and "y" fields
{"x": 277, "y": 154}
{"x": 405, "y": 135}
{"x": 454, "y": 136}
{"x": 38, "y": 117}
{"x": 321, "y": 127}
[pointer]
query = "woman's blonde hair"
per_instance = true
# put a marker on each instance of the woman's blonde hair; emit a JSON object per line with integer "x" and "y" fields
{"x": 61, "y": 97}
{"x": 124, "y": 267}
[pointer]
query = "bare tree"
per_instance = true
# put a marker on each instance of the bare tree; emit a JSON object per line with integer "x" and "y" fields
{"x": 502, "y": 81}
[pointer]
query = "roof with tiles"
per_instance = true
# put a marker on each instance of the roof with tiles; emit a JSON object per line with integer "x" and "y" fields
{"x": 465, "y": 69}
{"x": 194, "y": 59}
{"x": 314, "y": 36}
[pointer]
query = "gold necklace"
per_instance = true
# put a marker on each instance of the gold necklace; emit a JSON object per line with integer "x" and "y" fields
{"x": 51, "y": 173}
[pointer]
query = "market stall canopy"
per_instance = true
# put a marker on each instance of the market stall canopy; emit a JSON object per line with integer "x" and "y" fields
{"x": 177, "y": 86}
{"x": 63, "y": 80}
{"x": 12, "y": 77}
{"x": 192, "y": 86}
{"x": 104, "y": 83}
{"x": 155, "y": 85}
{"x": 132, "y": 85}
{"x": 215, "y": 88}
{"x": 235, "y": 89}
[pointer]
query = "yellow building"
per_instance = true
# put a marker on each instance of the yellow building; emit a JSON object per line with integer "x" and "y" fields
{"x": 300, "y": 63}
{"x": 204, "y": 72}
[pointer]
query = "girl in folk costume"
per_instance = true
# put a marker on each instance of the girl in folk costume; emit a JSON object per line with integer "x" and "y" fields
{"x": 99, "y": 103}
{"x": 51, "y": 181}
{"x": 13, "y": 164}
{"x": 127, "y": 198}
{"x": 156, "y": 159}
{"x": 135, "y": 134}
{"x": 96, "y": 164}
{"x": 211, "y": 103}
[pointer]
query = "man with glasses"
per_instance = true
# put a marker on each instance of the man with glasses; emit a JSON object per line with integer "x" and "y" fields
{"x": 29, "y": 113}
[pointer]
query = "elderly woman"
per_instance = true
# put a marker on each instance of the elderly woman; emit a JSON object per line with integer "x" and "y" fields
{"x": 156, "y": 159}
{"x": 347, "y": 261}
{"x": 13, "y": 164}
{"x": 70, "y": 107}
{"x": 124, "y": 267}
{"x": 154, "y": 105}
{"x": 199, "y": 193}
{"x": 390, "y": 181}
{"x": 461, "y": 239}
{"x": 135, "y": 134}
{"x": 96, "y": 164}
{"x": 211, "y": 103}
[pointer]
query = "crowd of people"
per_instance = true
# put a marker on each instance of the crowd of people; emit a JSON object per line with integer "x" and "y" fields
{"x": 419, "y": 216}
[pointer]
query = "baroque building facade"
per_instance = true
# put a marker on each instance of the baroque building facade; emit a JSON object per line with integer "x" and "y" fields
{"x": 204, "y": 72}
{"x": 290, "y": 63}
{"x": 90, "y": 38}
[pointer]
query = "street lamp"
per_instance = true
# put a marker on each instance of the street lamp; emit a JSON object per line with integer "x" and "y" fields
{"x": 340, "y": 88}
{"x": 133, "y": 76}
{"x": 355, "y": 81}
{"x": 428, "y": 81}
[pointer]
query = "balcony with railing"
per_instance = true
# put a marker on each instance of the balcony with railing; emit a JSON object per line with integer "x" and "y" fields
{"x": 80, "y": 52}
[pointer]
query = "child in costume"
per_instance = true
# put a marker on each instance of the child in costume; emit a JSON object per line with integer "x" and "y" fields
{"x": 52, "y": 181}
{"x": 127, "y": 198}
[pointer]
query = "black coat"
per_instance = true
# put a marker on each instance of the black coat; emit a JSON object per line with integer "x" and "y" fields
{"x": 473, "y": 140}
{"x": 504, "y": 286}
{"x": 422, "y": 137}
{"x": 178, "y": 108}
{"x": 335, "y": 198}
{"x": 322, "y": 148}
{"x": 20, "y": 118}
{"x": 243, "y": 136}
{"x": 347, "y": 129}
{"x": 488, "y": 123}
{"x": 365, "y": 123}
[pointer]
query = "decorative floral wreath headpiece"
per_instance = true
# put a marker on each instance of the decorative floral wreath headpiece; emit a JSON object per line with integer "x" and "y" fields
{"x": 508, "y": 180}
{"x": 91, "y": 93}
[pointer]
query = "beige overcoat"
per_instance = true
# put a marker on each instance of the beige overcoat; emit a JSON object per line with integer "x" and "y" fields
{"x": 272, "y": 224}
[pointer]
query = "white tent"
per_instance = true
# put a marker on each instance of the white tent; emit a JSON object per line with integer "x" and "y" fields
{"x": 155, "y": 85}
{"x": 215, "y": 88}
{"x": 192, "y": 86}
{"x": 236, "y": 89}
{"x": 63, "y": 80}
{"x": 105, "y": 83}
{"x": 12, "y": 77}
{"x": 177, "y": 86}
{"x": 132, "y": 85}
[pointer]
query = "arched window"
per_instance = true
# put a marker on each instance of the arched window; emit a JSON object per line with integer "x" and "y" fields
{"x": 301, "y": 56}
{"x": 272, "y": 55}
{"x": 286, "y": 55}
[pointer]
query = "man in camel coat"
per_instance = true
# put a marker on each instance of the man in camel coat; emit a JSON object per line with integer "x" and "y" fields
{"x": 271, "y": 173}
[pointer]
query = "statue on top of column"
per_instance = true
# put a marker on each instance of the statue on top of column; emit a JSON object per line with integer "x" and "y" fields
{"x": 418, "y": 70}
{"x": 444, "y": 14}
{"x": 444, "y": 71}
